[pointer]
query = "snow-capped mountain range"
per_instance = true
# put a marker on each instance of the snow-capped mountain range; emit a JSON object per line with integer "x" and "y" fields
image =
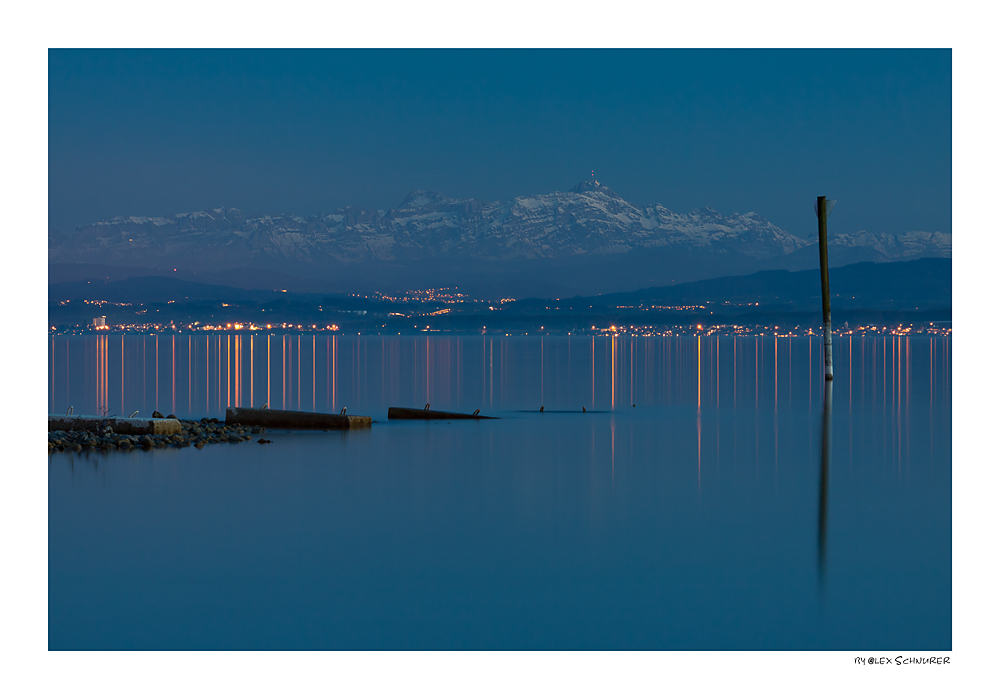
{"x": 590, "y": 222}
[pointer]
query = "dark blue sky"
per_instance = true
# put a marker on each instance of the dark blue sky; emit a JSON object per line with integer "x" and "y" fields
{"x": 155, "y": 132}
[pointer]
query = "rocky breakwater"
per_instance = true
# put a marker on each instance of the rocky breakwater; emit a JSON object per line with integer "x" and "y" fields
{"x": 192, "y": 433}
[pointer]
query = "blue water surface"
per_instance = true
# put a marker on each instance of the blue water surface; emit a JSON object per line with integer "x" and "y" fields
{"x": 700, "y": 518}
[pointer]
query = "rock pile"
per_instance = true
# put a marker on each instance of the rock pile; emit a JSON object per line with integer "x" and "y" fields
{"x": 193, "y": 434}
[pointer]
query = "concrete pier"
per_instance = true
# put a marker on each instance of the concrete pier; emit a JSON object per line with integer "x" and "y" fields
{"x": 426, "y": 414}
{"x": 118, "y": 425}
{"x": 295, "y": 419}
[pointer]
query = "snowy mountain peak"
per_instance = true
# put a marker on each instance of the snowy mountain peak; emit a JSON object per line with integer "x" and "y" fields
{"x": 594, "y": 186}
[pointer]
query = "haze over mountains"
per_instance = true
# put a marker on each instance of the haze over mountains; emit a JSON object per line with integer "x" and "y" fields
{"x": 585, "y": 241}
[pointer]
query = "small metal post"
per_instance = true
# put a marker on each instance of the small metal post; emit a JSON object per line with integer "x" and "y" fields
{"x": 824, "y": 273}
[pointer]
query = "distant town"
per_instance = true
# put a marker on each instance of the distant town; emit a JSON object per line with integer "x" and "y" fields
{"x": 903, "y": 297}
{"x": 445, "y": 310}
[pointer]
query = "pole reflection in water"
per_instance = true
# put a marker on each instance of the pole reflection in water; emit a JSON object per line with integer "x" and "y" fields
{"x": 824, "y": 470}
{"x": 698, "y": 414}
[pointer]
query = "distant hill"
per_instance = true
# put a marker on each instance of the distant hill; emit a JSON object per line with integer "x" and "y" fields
{"x": 922, "y": 283}
{"x": 154, "y": 289}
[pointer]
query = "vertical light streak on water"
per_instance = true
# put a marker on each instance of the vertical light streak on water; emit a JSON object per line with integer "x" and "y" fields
{"x": 698, "y": 413}
{"x": 718, "y": 404}
{"x": 789, "y": 370}
{"x": 776, "y": 406}
{"x": 52, "y": 383}
{"x": 899, "y": 405}
{"x": 284, "y": 371}
{"x": 99, "y": 384}
{"x": 97, "y": 398}
{"x": 885, "y": 400}
{"x": 397, "y": 384}
{"x": 156, "y": 380}
{"x": 850, "y": 403}
{"x": 142, "y": 371}
{"x": 333, "y": 374}
{"x": 907, "y": 404}
{"x": 123, "y": 374}
{"x": 458, "y": 369}
{"x": 298, "y": 374}
{"x": 756, "y": 412}
{"x": 874, "y": 371}
{"x": 894, "y": 393}
{"x": 614, "y": 342}
{"x": 252, "y": 402}
{"x": 810, "y": 381}
{"x": 699, "y": 373}
{"x": 190, "y": 359}
{"x": 173, "y": 374}
{"x": 444, "y": 371}
{"x": 491, "y": 371}
{"x": 947, "y": 380}
{"x": 862, "y": 369}
{"x": 932, "y": 375}
{"x": 314, "y": 372}
{"x": 756, "y": 373}
{"x": 885, "y": 396}
{"x": 892, "y": 366}
{"x": 931, "y": 401}
{"x": 631, "y": 371}
{"x": 97, "y": 373}
{"x": 592, "y": 377}
{"x": 850, "y": 372}
{"x": 776, "y": 374}
{"x": 504, "y": 357}
{"x": 669, "y": 366}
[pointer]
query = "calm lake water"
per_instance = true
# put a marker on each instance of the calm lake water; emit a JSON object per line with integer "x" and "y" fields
{"x": 711, "y": 515}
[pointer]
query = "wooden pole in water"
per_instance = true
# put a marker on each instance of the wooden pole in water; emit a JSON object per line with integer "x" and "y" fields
{"x": 824, "y": 273}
